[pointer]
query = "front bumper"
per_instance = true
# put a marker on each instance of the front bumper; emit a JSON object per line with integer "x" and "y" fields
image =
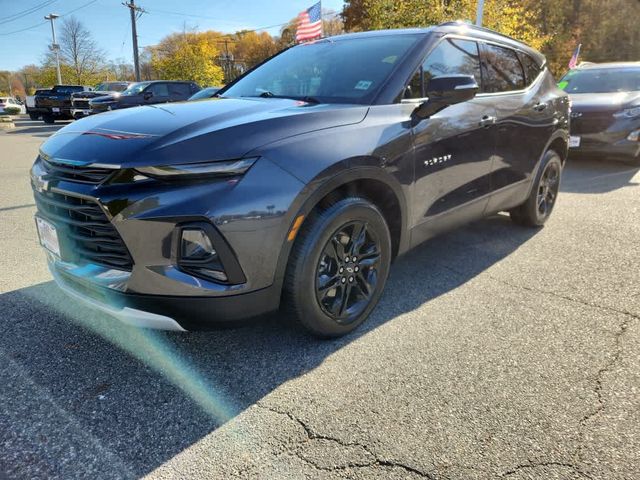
{"x": 80, "y": 112}
{"x": 611, "y": 141}
{"x": 251, "y": 216}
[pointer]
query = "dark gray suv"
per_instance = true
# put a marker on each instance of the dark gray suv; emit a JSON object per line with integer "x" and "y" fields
{"x": 301, "y": 182}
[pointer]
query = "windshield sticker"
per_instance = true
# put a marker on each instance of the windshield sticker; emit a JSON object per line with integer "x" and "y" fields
{"x": 391, "y": 59}
{"x": 363, "y": 85}
{"x": 562, "y": 85}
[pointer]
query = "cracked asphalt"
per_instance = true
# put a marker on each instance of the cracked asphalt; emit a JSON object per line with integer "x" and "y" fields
{"x": 496, "y": 352}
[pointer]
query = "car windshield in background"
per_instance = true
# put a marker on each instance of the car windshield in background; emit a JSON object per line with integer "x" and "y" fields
{"x": 111, "y": 87}
{"x": 67, "y": 90}
{"x": 601, "y": 80}
{"x": 136, "y": 88}
{"x": 343, "y": 71}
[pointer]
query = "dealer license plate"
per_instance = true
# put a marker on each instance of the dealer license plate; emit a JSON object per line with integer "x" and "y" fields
{"x": 48, "y": 236}
{"x": 574, "y": 142}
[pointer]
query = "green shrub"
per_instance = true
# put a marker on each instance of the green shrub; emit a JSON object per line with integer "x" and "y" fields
{"x": 12, "y": 110}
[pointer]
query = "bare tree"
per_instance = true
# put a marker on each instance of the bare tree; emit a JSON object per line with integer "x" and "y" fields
{"x": 80, "y": 51}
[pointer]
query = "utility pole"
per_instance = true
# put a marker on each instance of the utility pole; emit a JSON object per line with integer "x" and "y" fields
{"x": 54, "y": 46}
{"x": 135, "y": 11}
{"x": 479, "y": 13}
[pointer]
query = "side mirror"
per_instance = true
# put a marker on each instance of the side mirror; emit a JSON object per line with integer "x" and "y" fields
{"x": 446, "y": 91}
{"x": 148, "y": 95}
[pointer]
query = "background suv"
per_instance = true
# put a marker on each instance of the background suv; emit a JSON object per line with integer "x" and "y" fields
{"x": 605, "y": 114}
{"x": 303, "y": 180}
{"x": 80, "y": 101}
{"x": 146, "y": 93}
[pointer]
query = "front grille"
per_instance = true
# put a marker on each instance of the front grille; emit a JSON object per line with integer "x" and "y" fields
{"x": 85, "y": 232}
{"x": 592, "y": 122}
{"x": 80, "y": 104}
{"x": 81, "y": 174}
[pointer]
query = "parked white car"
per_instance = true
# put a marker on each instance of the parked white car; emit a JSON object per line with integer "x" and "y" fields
{"x": 11, "y": 102}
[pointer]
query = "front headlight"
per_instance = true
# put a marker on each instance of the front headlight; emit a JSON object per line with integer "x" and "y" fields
{"x": 198, "y": 170}
{"x": 628, "y": 113}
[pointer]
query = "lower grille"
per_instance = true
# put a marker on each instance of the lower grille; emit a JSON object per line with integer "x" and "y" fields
{"x": 82, "y": 174}
{"x": 81, "y": 104}
{"x": 592, "y": 123}
{"x": 86, "y": 234}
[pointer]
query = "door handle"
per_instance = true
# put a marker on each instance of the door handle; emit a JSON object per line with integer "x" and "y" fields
{"x": 488, "y": 120}
{"x": 539, "y": 107}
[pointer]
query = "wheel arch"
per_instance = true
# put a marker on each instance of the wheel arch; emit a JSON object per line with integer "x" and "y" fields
{"x": 362, "y": 176}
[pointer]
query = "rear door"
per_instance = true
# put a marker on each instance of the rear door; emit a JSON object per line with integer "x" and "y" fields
{"x": 156, "y": 93}
{"x": 524, "y": 114}
{"x": 179, "y": 92}
{"x": 453, "y": 148}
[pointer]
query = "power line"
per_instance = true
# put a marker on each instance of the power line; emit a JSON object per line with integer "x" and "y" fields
{"x": 26, "y": 12}
{"x": 42, "y": 23}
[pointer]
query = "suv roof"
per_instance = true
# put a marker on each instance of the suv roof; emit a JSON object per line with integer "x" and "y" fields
{"x": 459, "y": 28}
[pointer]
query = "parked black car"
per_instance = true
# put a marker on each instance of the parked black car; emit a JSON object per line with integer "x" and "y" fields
{"x": 31, "y": 105}
{"x": 605, "y": 114}
{"x": 146, "y": 93}
{"x": 302, "y": 182}
{"x": 205, "y": 93}
{"x": 56, "y": 105}
{"x": 80, "y": 101}
{"x": 39, "y": 104}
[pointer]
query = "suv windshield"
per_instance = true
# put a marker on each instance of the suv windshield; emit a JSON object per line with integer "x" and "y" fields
{"x": 342, "y": 71}
{"x": 601, "y": 80}
{"x": 136, "y": 88}
{"x": 68, "y": 89}
{"x": 111, "y": 87}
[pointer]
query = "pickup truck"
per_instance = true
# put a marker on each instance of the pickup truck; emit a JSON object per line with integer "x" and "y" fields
{"x": 80, "y": 100}
{"x": 31, "y": 103}
{"x": 57, "y": 104}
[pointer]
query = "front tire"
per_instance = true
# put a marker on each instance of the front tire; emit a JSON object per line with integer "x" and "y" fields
{"x": 338, "y": 267}
{"x": 48, "y": 119}
{"x": 535, "y": 211}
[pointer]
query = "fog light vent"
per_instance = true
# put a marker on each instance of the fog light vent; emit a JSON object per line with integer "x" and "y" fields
{"x": 196, "y": 245}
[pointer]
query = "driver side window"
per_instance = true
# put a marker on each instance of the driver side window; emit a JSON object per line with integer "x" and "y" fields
{"x": 452, "y": 56}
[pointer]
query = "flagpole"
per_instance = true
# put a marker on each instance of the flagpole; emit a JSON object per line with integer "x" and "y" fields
{"x": 479, "y": 13}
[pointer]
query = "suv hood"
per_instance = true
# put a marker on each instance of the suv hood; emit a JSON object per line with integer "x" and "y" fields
{"x": 212, "y": 130}
{"x": 94, "y": 94}
{"x": 600, "y": 102}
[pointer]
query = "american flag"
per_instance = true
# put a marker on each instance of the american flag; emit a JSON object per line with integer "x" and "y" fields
{"x": 573, "y": 63}
{"x": 310, "y": 23}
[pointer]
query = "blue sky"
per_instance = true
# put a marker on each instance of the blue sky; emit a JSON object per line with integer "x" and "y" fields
{"x": 109, "y": 23}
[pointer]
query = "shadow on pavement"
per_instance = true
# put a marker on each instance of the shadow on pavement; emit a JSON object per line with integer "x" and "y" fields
{"x": 25, "y": 126}
{"x": 588, "y": 175}
{"x": 74, "y": 405}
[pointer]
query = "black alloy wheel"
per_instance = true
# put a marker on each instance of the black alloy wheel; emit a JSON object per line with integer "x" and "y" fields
{"x": 535, "y": 211}
{"x": 347, "y": 273}
{"x": 338, "y": 267}
{"x": 548, "y": 189}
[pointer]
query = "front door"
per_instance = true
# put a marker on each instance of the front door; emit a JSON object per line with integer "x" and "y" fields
{"x": 453, "y": 148}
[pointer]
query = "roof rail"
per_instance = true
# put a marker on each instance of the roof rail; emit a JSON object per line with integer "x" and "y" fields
{"x": 460, "y": 23}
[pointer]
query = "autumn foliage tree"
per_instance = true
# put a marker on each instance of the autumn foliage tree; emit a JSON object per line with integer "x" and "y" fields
{"x": 188, "y": 56}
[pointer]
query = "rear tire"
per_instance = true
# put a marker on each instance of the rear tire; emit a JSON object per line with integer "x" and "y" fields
{"x": 48, "y": 119}
{"x": 535, "y": 211}
{"x": 338, "y": 267}
{"x": 34, "y": 116}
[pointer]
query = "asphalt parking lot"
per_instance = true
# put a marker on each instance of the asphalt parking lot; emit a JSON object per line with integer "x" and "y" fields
{"x": 496, "y": 352}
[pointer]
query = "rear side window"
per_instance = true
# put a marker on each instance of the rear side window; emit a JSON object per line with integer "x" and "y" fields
{"x": 180, "y": 90}
{"x": 451, "y": 57}
{"x": 159, "y": 89}
{"x": 531, "y": 68}
{"x": 503, "y": 71}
